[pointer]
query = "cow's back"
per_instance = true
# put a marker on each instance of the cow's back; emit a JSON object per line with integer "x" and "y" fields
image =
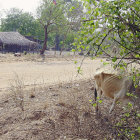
{"x": 112, "y": 85}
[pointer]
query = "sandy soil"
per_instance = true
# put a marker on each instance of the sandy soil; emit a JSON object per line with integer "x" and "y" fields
{"x": 55, "y": 103}
{"x": 59, "y": 112}
{"x": 48, "y": 72}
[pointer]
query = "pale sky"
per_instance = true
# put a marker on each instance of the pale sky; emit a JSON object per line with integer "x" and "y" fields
{"x": 26, "y": 5}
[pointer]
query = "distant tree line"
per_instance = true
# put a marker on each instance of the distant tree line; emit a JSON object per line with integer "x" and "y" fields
{"x": 55, "y": 24}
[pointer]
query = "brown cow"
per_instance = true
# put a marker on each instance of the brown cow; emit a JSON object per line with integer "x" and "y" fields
{"x": 113, "y": 86}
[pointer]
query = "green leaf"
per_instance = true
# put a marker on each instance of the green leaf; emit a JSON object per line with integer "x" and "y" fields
{"x": 104, "y": 35}
{"x": 79, "y": 70}
{"x": 118, "y": 124}
{"x": 72, "y": 8}
{"x": 89, "y": 40}
{"x": 138, "y": 129}
{"x": 114, "y": 59}
{"x": 130, "y": 94}
{"x": 138, "y": 115}
{"x": 105, "y": 63}
{"x": 100, "y": 101}
{"x": 127, "y": 114}
{"x": 94, "y": 105}
{"x": 75, "y": 62}
{"x": 90, "y": 100}
{"x": 130, "y": 105}
{"x": 73, "y": 50}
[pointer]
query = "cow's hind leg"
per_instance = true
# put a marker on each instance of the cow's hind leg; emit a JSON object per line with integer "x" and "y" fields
{"x": 113, "y": 104}
{"x": 120, "y": 95}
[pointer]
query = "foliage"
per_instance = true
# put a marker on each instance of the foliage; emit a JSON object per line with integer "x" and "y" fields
{"x": 74, "y": 12}
{"x": 50, "y": 14}
{"x": 51, "y": 17}
{"x": 55, "y": 24}
{"x": 111, "y": 26}
{"x": 23, "y": 22}
{"x": 58, "y": 21}
{"x": 127, "y": 126}
{"x": 112, "y": 29}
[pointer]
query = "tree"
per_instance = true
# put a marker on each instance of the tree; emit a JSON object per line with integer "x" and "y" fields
{"x": 74, "y": 12}
{"x": 23, "y": 22}
{"x": 108, "y": 23}
{"x": 59, "y": 20}
{"x": 51, "y": 16}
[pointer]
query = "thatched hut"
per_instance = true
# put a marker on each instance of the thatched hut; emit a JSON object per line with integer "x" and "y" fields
{"x": 15, "y": 42}
{"x": 32, "y": 38}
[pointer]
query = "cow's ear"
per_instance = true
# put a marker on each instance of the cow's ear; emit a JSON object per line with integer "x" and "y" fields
{"x": 96, "y": 77}
{"x": 102, "y": 76}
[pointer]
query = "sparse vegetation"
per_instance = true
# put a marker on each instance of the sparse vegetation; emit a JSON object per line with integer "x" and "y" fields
{"x": 111, "y": 29}
{"x": 59, "y": 111}
{"x": 56, "y": 102}
{"x": 17, "y": 91}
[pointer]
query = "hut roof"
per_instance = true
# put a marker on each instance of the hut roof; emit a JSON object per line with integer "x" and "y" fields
{"x": 15, "y": 38}
{"x": 32, "y": 38}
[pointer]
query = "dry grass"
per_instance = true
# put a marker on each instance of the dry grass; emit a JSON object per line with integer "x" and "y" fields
{"x": 57, "y": 112}
{"x": 51, "y": 71}
{"x": 45, "y": 111}
{"x": 36, "y": 57}
{"x": 17, "y": 91}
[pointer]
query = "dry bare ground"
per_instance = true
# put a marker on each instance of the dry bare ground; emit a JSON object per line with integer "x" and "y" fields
{"x": 56, "y": 106}
{"x": 50, "y": 71}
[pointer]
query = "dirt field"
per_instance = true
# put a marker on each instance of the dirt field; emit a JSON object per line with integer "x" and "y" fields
{"x": 51, "y": 71}
{"x": 45, "y": 100}
{"x": 59, "y": 112}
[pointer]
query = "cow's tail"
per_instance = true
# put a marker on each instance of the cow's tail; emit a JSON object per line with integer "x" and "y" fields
{"x": 95, "y": 96}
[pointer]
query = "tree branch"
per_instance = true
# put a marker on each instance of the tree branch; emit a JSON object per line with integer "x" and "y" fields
{"x": 126, "y": 47}
{"x": 132, "y": 26}
{"x": 122, "y": 59}
{"x": 103, "y": 41}
{"x": 134, "y": 12}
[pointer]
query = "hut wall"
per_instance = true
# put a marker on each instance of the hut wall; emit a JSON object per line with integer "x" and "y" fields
{"x": 15, "y": 48}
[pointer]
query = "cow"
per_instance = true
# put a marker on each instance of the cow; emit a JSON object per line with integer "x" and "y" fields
{"x": 113, "y": 86}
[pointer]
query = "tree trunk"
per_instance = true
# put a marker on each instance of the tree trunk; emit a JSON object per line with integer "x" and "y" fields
{"x": 61, "y": 49}
{"x": 45, "y": 41}
{"x": 57, "y": 41}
